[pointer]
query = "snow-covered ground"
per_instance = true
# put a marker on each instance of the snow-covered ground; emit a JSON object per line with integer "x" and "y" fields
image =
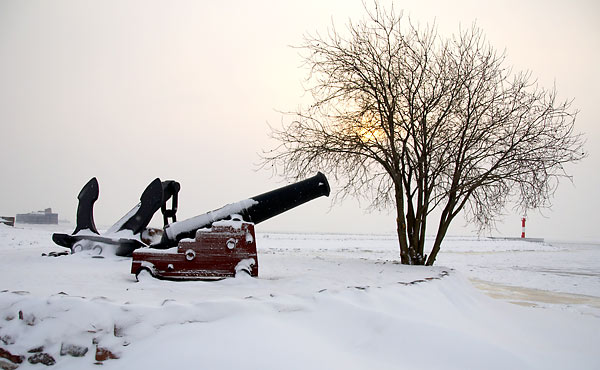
{"x": 320, "y": 302}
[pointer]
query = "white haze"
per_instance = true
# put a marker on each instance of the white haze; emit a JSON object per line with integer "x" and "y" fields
{"x": 128, "y": 91}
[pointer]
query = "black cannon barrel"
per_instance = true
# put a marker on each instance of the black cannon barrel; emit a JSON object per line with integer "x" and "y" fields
{"x": 256, "y": 209}
{"x": 277, "y": 201}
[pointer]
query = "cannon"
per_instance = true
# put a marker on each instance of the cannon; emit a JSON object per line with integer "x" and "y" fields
{"x": 221, "y": 243}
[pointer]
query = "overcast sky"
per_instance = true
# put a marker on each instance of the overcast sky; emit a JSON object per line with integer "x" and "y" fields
{"x": 128, "y": 91}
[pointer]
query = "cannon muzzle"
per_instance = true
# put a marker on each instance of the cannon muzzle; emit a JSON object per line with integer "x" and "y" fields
{"x": 256, "y": 209}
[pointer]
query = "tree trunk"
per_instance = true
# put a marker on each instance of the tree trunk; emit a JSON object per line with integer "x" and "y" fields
{"x": 442, "y": 229}
{"x": 405, "y": 257}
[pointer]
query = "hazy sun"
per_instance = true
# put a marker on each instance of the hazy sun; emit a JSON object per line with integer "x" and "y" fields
{"x": 369, "y": 129}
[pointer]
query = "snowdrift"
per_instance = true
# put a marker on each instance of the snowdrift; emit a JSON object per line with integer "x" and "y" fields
{"x": 313, "y": 307}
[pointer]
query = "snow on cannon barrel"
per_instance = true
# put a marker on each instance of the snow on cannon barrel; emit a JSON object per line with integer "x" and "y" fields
{"x": 255, "y": 210}
{"x": 221, "y": 243}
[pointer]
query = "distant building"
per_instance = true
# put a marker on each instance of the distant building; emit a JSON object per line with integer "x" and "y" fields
{"x": 10, "y": 221}
{"x": 41, "y": 217}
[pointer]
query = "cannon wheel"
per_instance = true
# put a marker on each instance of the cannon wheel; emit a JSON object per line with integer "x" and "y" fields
{"x": 244, "y": 268}
{"x": 144, "y": 273}
{"x": 243, "y": 272}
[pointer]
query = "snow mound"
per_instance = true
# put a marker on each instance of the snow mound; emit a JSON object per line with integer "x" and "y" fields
{"x": 319, "y": 303}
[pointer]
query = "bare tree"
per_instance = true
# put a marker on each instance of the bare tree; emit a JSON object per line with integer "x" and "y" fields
{"x": 406, "y": 118}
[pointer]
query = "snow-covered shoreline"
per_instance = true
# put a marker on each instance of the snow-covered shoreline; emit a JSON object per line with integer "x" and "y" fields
{"x": 320, "y": 302}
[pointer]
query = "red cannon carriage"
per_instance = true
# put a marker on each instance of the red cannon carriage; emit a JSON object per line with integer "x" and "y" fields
{"x": 224, "y": 250}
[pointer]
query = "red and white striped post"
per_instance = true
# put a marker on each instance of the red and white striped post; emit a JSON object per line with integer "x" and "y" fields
{"x": 523, "y": 227}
